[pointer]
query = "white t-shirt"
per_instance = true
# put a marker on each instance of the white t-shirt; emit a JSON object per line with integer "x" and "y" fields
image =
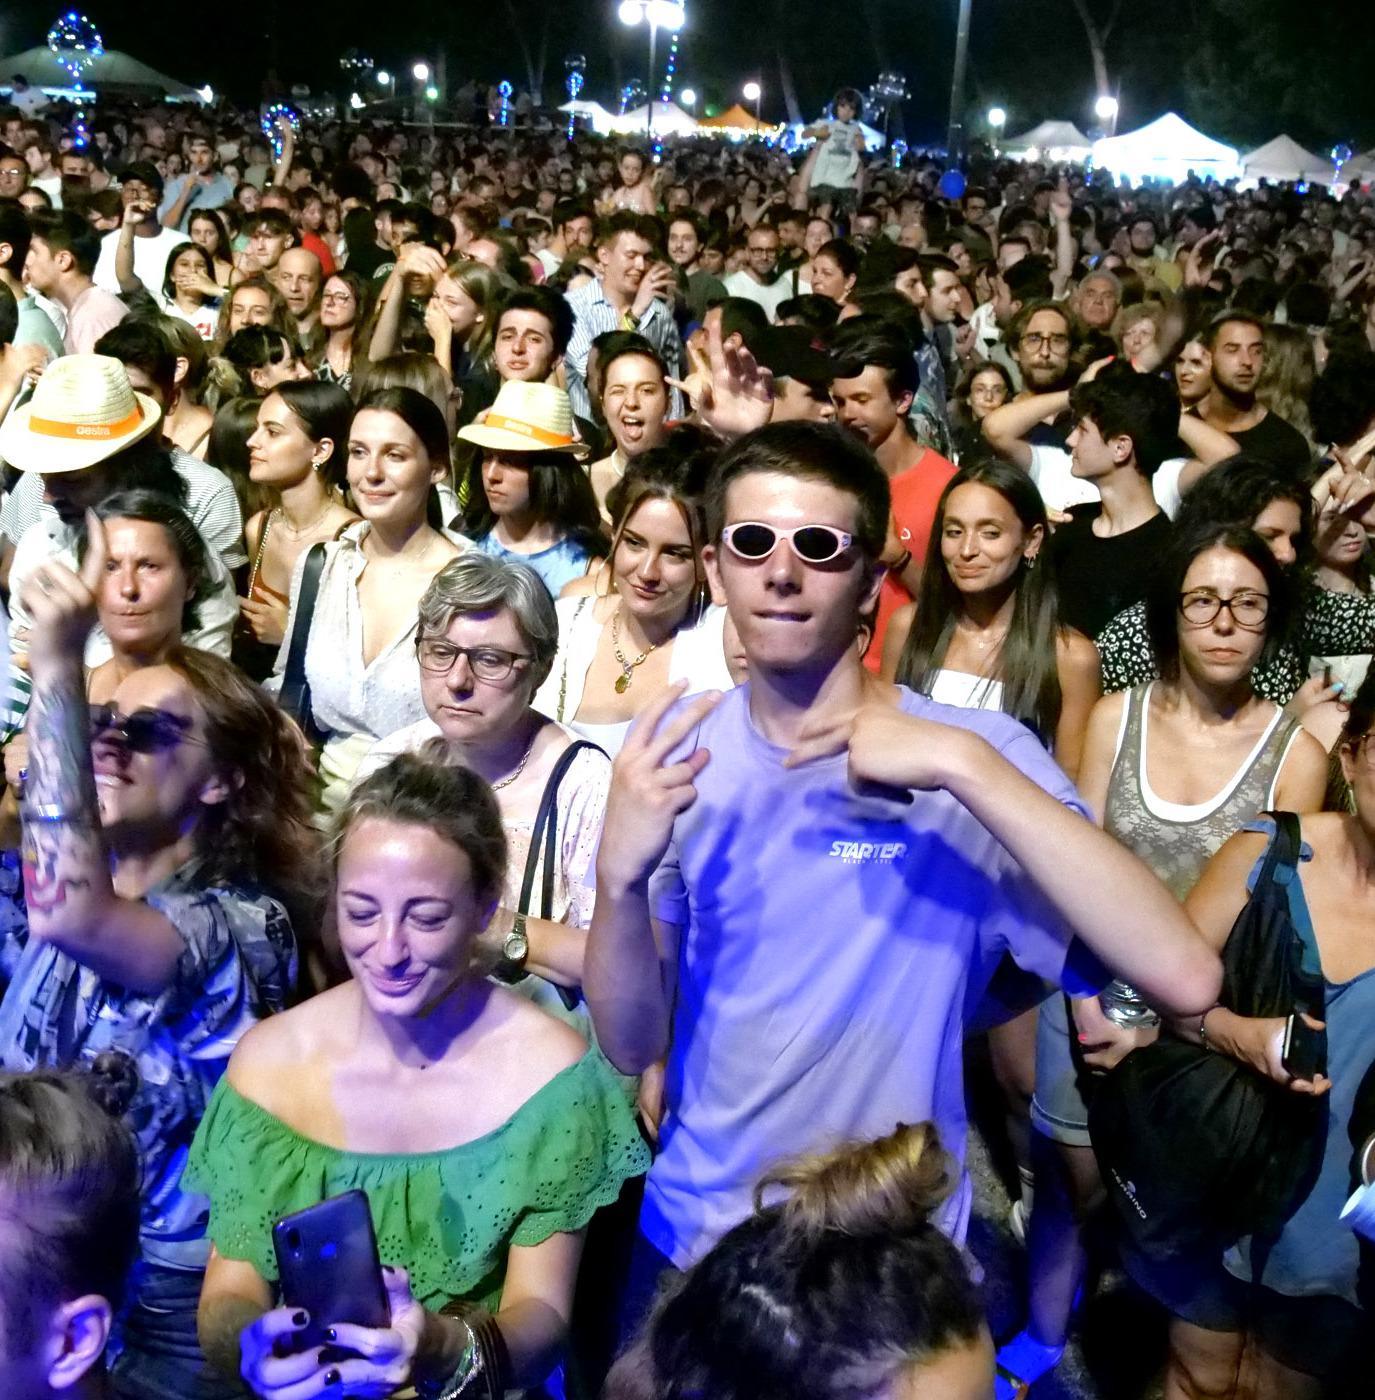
{"x": 1060, "y": 488}
{"x": 767, "y": 295}
{"x": 150, "y": 260}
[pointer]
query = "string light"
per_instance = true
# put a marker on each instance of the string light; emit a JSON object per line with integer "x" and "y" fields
{"x": 504, "y": 90}
{"x": 75, "y": 42}
{"x": 575, "y": 71}
{"x": 270, "y": 129}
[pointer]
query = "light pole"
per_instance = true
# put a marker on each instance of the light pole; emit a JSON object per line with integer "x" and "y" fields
{"x": 752, "y": 92}
{"x": 657, "y": 14}
{"x": 954, "y": 137}
{"x": 1105, "y": 109}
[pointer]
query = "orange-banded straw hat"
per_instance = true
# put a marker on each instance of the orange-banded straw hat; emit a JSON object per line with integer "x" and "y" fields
{"x": 83, "y": 410}
{"x": 527, "y": 418}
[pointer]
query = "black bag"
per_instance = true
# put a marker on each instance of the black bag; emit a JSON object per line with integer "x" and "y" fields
{"x": 544, "y": 840}
{"x": 294, "y": 695}
{"x": 1197, "y": 1150}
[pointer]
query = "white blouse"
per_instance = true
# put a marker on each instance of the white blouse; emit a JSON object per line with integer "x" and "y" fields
{"x": 697, "y": 655}
{"x": 351, "y": 700}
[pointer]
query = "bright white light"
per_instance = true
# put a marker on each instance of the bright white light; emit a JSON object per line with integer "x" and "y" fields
{"x": 206, "y": 94}
{"x": 355, "y": 102}
{"x": 997, "y": 118}
{"x": 383, "y": 78}
{"x": 431, "y": 93}
{"x": 687, "y": 97}
{"x": 1105, "y": 109}
{"x": 421, "y": 72}
{"x": 631, "y": 11}
{"x": 666, "y": 14}
{"x": 751, "y": 91}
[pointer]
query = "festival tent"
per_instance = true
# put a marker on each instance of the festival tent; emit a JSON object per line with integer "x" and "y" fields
{"x": 1053, "y": 141}
{"x": 1166, "y": 149}
{"x": 735, "y": 118}
{"x": 669, "y": 120}
{"x": 1284, "y": 159}
{"x": 600, "y": 120}
{"x": 1359, "y": 170}
{"x": 113, "y": 72}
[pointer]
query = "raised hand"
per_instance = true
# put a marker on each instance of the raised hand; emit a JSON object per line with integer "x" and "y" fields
{"x": 647, "y": 792}
{"x": 734, "y": 393}
{"x": 1197, "y": 269}
{"x": 62, "y": 604}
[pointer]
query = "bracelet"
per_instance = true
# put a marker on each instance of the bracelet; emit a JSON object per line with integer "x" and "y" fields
{"x": 1203, "y": 1031}
{"x": 484, "y": 1369}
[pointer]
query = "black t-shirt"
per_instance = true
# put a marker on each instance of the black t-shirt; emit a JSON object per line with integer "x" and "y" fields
{"x": 1276, "y": 440}
{"x": 1099, "y": 575}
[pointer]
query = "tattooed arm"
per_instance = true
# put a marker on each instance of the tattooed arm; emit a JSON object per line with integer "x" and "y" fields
{"x": 67, "y": 883}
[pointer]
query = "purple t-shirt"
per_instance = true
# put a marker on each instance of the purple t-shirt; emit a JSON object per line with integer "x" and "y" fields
{"x": 831, "y": 946}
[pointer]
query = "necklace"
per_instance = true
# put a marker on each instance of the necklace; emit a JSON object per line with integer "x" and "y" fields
{"x": 295, "y": 532}
{"x": 519, "y": 768}
{"x": 627, "y": 667}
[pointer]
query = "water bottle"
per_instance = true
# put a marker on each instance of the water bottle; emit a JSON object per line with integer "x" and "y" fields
{"x": 1123, "y": 1005}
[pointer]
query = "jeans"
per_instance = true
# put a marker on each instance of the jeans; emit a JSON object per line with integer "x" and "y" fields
{"x": 158, "y": 1356}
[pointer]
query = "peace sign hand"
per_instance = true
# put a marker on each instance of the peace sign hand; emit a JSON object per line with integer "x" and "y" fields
{"x": 647, "y": 792}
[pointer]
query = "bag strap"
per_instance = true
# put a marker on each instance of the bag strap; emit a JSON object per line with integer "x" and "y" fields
{"x": 294, "y": 676}
{"x": 1284, "y": 853}
{"x": 545, "y": 834}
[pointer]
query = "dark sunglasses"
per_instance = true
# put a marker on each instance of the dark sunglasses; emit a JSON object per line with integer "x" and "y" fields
{"x": 813, "y": 544}
{"x": 144, "y": 731}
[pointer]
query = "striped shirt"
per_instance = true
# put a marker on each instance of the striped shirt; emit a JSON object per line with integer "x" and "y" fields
{"x": 593, "y": 315}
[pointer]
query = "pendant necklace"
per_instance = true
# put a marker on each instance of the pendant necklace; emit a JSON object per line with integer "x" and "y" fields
{"x": 627, "y": 667}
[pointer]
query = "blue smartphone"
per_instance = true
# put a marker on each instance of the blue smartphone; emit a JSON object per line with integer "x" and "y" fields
{"x": 327, "y": 1262}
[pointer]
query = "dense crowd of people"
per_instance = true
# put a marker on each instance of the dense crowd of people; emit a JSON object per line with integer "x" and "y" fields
{"x": 562, "y": 688}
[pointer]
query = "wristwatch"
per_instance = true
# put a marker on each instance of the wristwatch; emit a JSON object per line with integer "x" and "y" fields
{"x": 514, "y": 952}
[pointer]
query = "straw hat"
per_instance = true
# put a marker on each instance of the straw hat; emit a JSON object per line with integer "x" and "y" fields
{"x": 83, "y": 410}
{"x": 527, "y": 418}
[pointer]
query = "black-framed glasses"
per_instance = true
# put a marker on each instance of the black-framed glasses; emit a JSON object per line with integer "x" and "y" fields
{"x": 1034, "y": 340}
{"x": 438, "y": 656}
{"x": 144, "y": 731}
{"x": 813, "y": 544}
{"x": 1248, "y": 610}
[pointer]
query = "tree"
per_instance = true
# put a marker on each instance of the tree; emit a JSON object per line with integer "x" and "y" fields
{"x": 1098, "y": 20}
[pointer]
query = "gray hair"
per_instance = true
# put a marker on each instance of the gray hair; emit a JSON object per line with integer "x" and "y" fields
{"x": 476, "y": 582}
{"x": 1104, "y": 274}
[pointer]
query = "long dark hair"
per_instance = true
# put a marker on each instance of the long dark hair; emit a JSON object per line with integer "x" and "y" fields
{"x": 1027, "y": 661}
{"x": 323, "y": 411}
{"x": 561, "y": 495}
{"x": 423, "y": 417}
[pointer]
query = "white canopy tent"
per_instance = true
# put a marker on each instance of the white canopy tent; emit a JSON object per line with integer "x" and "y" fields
{"x": 1053, "y": 141}
{"x": 1166, "y": 149}
{"x": 1359, "y": 170}
{"x": 669, "y": 120}
{"x": 112, "y": 72}
{"x": 1284, "y": 159}
{"x": 600, "y": 120}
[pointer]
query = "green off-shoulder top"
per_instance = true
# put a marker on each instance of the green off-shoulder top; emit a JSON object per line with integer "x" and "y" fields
{"x": 448, "y": 1217}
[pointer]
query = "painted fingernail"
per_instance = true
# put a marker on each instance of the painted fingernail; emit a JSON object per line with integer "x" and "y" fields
{"x": 388, "y": 1268}
{"x": 332, "y": 1378}
{"x": 331, "y": 1335}
{"x": 299, "y": 1319}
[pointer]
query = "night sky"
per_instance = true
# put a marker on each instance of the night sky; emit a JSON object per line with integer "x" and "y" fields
{"x": 1027, "y": 55}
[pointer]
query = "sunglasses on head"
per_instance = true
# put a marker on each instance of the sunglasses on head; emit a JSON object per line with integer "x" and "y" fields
{"x": 813, "y": 544}
{"x": 144, "y": 731}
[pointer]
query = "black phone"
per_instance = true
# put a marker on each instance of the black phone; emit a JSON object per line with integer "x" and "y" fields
{"x": 327, "y": 1262}
{"x": 1305, "y": 1049}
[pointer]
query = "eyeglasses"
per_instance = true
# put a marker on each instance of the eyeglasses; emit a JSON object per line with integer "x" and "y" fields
{"x": 813, "y": 544}
{"x": 342, "y": 298}
{"x": 1361, "y": 748}
{"x": 1248, "y": 610}
{"x": 488, "y": 663}
{"x": 144, "y": 731}
{"x": 1034, "y": 340}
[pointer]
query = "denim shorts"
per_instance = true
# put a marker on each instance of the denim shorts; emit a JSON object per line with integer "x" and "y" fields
{"x": 1058, "y": 1109}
